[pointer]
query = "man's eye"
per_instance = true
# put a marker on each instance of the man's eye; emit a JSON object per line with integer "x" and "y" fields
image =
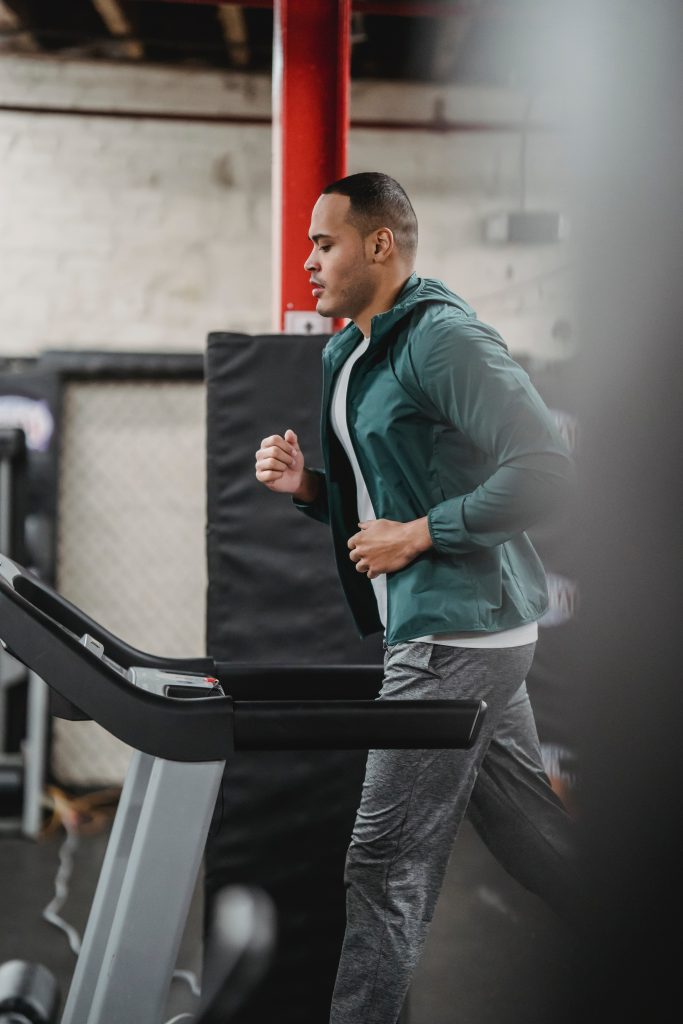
{"x": 325, "y": 248}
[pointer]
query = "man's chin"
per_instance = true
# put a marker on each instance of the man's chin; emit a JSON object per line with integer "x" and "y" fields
{"x": 324, "y": 309}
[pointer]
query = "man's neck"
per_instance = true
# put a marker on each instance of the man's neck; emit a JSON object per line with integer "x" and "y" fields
{"x": 382, "y": 303}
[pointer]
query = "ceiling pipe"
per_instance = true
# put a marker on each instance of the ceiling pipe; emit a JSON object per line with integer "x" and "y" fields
{"x": 392, "y": 8}
{"x": 439, "y": 126}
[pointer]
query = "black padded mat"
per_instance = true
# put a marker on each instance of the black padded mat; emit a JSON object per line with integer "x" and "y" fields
{"x": 273, "y": 597}
{"x": 273, "y": 591}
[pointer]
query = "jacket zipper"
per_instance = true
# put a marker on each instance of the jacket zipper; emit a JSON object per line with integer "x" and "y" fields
{"x": 364, "y": 475}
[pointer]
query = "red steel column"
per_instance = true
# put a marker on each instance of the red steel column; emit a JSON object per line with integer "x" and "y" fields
{"x": 311, "y": 75}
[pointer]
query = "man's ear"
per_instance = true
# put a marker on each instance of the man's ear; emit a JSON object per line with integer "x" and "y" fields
{"x": 383, "y": 244}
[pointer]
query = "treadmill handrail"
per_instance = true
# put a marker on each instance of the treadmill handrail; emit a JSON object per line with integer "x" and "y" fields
{"x": 210, "y": 728}
{"x": 178, "y": 729}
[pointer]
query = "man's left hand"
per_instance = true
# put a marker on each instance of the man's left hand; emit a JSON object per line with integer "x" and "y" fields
{"x": 382, "y": 545}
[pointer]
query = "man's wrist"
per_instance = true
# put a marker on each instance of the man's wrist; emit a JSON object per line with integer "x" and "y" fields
{"x": 308, "y": 490}
{"x": 420, "y": 539}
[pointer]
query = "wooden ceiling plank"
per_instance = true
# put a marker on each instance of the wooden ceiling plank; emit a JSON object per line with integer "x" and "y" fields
{"x": 114, "y": 17}
{"x": 236, "y": 33}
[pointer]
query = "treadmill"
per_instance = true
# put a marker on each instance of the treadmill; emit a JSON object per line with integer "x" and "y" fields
{"x": 184, "y": 718}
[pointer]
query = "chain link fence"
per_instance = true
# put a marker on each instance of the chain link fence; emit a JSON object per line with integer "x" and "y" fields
{"x": 130, "y": 547}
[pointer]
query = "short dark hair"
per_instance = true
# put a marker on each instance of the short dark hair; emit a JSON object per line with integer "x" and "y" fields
{"x": 379, "y": 201}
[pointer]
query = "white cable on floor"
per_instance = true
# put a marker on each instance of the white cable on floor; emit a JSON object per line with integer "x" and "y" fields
{"x": 191, "y": 980}
{"x": 66, "y": 864}
{"x": 51, "y": 914}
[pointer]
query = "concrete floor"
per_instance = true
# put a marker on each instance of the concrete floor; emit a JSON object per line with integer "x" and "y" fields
{"x": 492, "y": 953}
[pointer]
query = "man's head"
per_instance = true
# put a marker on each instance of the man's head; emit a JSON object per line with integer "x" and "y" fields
{"x": 364, "y": 234}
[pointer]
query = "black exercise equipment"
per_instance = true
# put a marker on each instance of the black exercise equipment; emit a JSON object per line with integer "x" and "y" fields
{"x": 28, "y": 994}
{"x": 183, "y": 725}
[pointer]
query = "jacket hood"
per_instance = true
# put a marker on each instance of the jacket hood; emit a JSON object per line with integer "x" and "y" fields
{"x": 415, "y": 292}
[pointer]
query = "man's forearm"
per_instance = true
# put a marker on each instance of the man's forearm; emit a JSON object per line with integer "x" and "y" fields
{"x": 518, "y": 495}
{"x": 308, "y": 492}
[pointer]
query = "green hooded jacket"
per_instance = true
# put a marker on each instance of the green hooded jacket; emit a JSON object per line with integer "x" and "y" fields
{"x": 444, "y": 424}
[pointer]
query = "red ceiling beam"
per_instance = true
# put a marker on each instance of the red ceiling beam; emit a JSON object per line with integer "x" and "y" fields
{"x": 311, "y": 74}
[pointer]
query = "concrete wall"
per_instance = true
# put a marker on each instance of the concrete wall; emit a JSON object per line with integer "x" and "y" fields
{"x": 146, "y": 234}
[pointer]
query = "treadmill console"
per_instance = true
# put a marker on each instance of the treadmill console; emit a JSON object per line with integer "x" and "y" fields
{"x": 162, "y": 682}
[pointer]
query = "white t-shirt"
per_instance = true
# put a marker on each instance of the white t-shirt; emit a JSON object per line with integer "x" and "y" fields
{"x": 516, "y": 637}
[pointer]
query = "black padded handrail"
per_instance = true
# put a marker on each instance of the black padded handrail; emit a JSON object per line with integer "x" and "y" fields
{"x": 299, "y": 682}
{"x": 355, "y": 724}
{"x": 208, "y": 728}
{"x": 168, "y": 727}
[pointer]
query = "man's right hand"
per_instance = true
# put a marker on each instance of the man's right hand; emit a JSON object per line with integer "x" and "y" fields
{"x": 280, "y": 466}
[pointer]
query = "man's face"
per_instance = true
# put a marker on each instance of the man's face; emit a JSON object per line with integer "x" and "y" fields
{"x": 342, "y": 272}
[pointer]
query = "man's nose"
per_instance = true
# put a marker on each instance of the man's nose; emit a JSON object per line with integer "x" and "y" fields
{"x": 311, "y": 263}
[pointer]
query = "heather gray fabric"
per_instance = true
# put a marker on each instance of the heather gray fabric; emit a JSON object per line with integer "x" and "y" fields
{"x": 412, "y": 804}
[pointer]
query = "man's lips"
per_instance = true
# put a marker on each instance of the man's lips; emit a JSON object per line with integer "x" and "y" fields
{"x": 318, "y": 288}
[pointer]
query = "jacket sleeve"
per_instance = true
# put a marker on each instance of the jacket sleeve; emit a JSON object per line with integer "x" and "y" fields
{"x": 317, "y": 509}
{"x": 471, "y": 381}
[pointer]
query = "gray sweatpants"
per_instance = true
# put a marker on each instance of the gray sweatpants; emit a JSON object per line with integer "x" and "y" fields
{"x": 412, "y": 804}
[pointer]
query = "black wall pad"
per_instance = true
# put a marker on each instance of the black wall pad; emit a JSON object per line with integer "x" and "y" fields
{"x": 273, "y": 592}
{"x": 274, "y": 598}
{"x": 284, "y": 821}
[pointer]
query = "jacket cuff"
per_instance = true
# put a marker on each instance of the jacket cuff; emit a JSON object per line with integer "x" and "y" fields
{"x": 447, "y": 527}
{"x": 316, "y": 509}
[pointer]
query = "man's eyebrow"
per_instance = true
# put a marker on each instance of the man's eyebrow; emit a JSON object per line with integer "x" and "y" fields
{"x": 316, "y": 238}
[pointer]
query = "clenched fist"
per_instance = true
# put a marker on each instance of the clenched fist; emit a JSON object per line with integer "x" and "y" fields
{"x": 280, "y": 466}
{"x": 279, "y": 463}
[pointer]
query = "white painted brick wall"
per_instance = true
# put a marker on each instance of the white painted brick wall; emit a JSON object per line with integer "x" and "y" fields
{"x": 143, "y": 234}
